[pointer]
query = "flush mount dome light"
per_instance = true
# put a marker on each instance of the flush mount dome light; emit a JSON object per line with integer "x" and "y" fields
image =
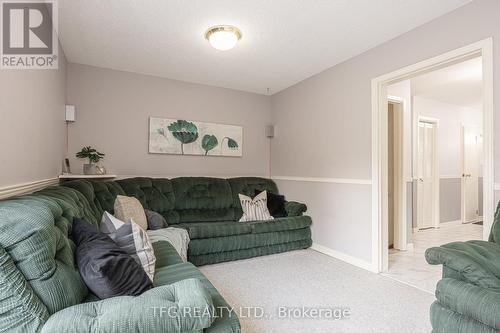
{"x": 223, "y": 37}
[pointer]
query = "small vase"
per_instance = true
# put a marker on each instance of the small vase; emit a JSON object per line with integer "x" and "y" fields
{"x": 92, "y": 169}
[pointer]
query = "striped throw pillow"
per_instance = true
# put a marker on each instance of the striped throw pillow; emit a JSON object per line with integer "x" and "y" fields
{"x": 255, "y": 209}
{"x": 133, "y": 239}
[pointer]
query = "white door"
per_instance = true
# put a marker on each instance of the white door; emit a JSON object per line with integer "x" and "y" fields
{"x": 471, "y": 157}
{"x": 426, "y": 175}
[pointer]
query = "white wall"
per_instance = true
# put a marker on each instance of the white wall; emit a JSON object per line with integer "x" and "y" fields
{"x": 113, "y": 110}
{"x": 324, "y": 124}
{"x": 451, "y": 117}
{"x": 32, "y": 125}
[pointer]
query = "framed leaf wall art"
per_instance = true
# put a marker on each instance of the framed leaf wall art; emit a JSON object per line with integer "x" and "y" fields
{"x": 187, "y": 137}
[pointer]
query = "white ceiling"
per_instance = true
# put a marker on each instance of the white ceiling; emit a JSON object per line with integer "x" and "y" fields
{"x": 284, "y": 41}
{"x": 459, "y": 84}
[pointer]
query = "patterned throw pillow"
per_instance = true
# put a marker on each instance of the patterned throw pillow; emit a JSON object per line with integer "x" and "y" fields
{"x": 131, "y": 238}
{"x": 255, "y": 209}
{"x": 127, "y": 208}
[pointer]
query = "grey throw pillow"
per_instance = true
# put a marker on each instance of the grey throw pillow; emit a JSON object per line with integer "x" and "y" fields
{"x": 155, "y": 220}
{"x": 131, "y": 238}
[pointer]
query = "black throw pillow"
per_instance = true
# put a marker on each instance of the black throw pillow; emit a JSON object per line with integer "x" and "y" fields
{"x": 275, "y": 204}
{"x": 106, "y": 269}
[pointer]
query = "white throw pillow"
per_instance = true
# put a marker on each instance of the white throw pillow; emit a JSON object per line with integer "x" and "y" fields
{"x": 127, "y": 208}
{"x": 255, "y": 209}
{"x": 131, "y": 238}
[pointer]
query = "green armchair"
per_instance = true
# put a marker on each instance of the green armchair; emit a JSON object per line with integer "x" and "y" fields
{"x": 468, "y": 296}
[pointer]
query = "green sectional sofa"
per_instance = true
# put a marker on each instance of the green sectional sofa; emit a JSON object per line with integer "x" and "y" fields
{"x": 41, "y": 289}
{"x": 468, "y": 295}
{"x": 208, "y": 209}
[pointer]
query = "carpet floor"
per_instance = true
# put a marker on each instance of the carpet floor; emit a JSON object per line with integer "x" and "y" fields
{"x": 267, "y": 287}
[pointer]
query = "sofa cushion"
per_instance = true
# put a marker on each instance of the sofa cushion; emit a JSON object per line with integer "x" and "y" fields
{"x": 20, "y": 309}
{"x": 474, "y": 302}
{"x": 72, "y": 202}
{"x": 165, "y": 254}
{"x": 40, "y": 248}
{"x": 205, "y": 215}
{"x": 100, "y": 195}
{"x": 162, "y": 309}
{"x": 448, "y": 321}
{"x": 198, "y": 230}
{"x": 226, "y": 319}
{"x": 246, "y": 241}
{"x": 155, "y": 194}
{"x": 475, "y": 261}
{"x": 280, "y": 224}
{"x": 105, "y": 194}
{"x": 203, "y": 199}
{"x": 87, "y": 190}
{"x": 213, "y": 258}
{"x": 294, "y": 208}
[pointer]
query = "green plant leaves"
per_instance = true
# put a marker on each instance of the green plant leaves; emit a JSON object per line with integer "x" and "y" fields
{"x": 88, "y": 152}
{"x": 209, "y": 142}
{"x": 231, "y": 143}
{"x": 187, "y": 132}
{"x": 184, "y": 131}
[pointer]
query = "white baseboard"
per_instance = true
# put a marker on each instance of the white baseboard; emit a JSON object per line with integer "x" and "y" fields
{"x": 24, "y": 188}
{"x": 344, "y": 257}
{"x": 410, "y": 247}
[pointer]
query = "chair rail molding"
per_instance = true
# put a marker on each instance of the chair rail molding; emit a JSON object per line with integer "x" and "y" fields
{"x": 325, "y": 180}
{"x": 24, "y": 188}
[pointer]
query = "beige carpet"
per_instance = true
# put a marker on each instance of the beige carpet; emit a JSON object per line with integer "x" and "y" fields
{"x": 310, "y": 279}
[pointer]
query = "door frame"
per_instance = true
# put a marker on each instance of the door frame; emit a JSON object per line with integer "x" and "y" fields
{"x": 400, "y": 226}
{"x": 462, "y": 178}
{"x": 435, "y": 165}
{"x": 483, "y": 48}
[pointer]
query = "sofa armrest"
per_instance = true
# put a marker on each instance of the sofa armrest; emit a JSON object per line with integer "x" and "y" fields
{"x": 476, "y": 262}
{"x": 184, "y": 306}
{"x": 478, "y": 303}
{"x": 294, "y": 208}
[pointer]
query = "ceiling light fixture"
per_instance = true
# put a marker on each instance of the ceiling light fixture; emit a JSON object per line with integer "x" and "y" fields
{"x": 223, "y": 37}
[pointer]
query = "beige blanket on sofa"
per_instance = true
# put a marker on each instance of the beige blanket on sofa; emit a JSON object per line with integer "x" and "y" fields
{"x": 179, "y": 238}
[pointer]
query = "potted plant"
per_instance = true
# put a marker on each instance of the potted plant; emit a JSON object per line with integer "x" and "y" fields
{"x": 93, "y": 157}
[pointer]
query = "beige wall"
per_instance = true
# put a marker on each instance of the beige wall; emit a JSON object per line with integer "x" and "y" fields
{"x": 326, "y": 120}
{"x": 113, "y": 109}
{"x": 32, "y": 126}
